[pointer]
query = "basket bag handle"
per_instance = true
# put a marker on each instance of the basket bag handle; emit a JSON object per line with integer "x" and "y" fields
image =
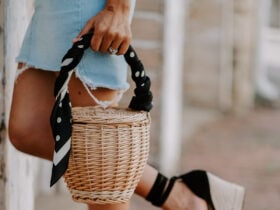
{"x": 61, "y": 117}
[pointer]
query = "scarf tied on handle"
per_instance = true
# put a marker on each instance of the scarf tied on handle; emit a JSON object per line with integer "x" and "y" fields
{"x": 61, "y": 117}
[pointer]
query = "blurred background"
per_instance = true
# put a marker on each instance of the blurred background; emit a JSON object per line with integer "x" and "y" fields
{"x": 215, "y": 71}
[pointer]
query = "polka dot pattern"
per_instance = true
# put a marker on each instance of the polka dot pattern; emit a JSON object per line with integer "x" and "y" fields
{"x": 58, "y": 120}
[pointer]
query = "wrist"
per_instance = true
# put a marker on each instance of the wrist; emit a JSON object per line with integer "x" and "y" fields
{"x": 122, "y": 6}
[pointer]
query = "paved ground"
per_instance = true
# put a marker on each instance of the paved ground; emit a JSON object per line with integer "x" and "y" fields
{"x": 244, "y": 149}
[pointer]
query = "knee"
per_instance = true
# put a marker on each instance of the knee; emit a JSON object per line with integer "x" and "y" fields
{"x": 19, "y": 135}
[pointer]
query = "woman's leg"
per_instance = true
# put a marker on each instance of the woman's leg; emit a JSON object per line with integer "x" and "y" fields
{"x": 30, "y": 132}
{"x": 29, "y": 125}
{"x": 33, "y": 99}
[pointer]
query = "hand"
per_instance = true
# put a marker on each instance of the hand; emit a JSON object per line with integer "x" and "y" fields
{"x": 111, "y": 29}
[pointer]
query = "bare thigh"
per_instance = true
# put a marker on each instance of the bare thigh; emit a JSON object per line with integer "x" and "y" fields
{"x": 33, "y": 98}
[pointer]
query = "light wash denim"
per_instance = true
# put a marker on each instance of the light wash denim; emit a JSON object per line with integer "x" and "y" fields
{"x": 53, "y": 26}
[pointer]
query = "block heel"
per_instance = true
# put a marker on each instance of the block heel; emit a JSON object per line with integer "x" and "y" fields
{"x": 225, "y": 195}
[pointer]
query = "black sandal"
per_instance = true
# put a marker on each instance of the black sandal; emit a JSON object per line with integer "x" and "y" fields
{"x": 219, "y": 194}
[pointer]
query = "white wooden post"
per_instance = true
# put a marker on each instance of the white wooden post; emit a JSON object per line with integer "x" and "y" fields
{"x": 173, "y": 49}
{"x": 2, "y": 107}
{"x": 278, "y": 8}
{"x": 226, "y": 66}
{"x": 245, "y": 37}
{"x": 19, "y": 167}
{"x": 264, "y": 87}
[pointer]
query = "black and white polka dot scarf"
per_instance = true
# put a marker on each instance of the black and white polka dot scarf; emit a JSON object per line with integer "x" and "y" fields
{"x": 61, "y": 114}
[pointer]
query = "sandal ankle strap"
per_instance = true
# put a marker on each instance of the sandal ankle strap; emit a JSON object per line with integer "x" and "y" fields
{"x": 166, "y": 193}
{"x": 157, "y": 189}
{"x": 159, "y": 192}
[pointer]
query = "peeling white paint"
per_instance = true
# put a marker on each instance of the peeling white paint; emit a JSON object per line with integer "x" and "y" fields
{"x": 20, "y": 168}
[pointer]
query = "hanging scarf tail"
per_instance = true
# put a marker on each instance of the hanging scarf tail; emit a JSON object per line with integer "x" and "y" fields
{"x": 61, "y": 125}
{"x": 61, "y": 117}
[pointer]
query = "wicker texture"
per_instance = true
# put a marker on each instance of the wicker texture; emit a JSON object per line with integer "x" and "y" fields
{"x": 109, "y": 150}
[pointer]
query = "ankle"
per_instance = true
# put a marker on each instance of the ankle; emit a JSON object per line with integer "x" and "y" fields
{"x": 182, "y": 198}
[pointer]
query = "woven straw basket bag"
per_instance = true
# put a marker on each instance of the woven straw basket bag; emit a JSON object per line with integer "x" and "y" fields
{"x": 109, "y": 147}
{"x": 109, "y": 151}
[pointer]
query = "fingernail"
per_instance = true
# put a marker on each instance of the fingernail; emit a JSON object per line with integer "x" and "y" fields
{"x": 75, "y": 39}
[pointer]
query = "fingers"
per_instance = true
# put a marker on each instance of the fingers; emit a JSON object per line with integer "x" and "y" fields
{"x": 107, "y": 41}
{"x": 123, "y": 47}
{"x": 120, "y": 44}
{"x": 87, "y": 28}
{"x": 102, "y": 41}
{"x": 111, "y": 31}
{"x": 97, "y": 40}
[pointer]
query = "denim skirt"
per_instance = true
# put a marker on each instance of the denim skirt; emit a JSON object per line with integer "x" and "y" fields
{"x": 49, "y": 35}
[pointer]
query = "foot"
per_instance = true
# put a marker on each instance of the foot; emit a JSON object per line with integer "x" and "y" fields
{"x": 218, "y": 193}
{"x": 196, "y": 190}
{"x": 182, "y": 198}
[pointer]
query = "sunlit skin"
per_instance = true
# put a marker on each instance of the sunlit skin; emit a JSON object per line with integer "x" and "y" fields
{"x": 30, "y": 135}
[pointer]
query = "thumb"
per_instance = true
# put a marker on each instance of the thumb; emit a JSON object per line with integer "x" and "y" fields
{"x": 86, "y": 29}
